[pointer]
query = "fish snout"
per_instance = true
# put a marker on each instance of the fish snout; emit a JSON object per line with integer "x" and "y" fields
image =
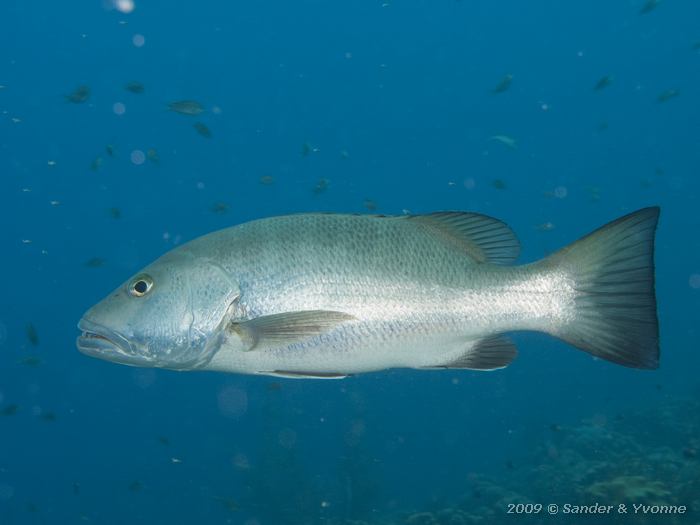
{"x": 104, "y": 343}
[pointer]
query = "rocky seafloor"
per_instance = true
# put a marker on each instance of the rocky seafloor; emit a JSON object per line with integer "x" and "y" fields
{"x": 648, "y": 460}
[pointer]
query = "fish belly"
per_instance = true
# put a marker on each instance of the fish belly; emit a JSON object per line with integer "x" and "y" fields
{"x": 348, "y": 351}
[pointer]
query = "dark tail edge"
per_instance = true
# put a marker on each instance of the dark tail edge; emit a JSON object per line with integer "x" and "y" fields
{"x": 615, "y": 307}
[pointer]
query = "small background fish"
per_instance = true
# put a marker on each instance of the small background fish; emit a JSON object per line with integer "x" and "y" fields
{"x": 186, "y": 107}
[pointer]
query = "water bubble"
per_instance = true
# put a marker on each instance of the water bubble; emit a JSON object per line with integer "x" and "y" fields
{"x": 144, "y": 378}
{"x": 6, "y": 492}
{"x": 355, "y": 433}
{"x": 125, "y": 6}
{"x": 241, "y": 461}
{"x": 358, "y": 427}
{"x": 233, "y": 401}
{"x": 138, "y": 40}
{"x": 560, "y": 192}
{"x": 119, "y": 108}
{"x": 138, "y": 157}
{"x": 694, "y": 281}
{"x": 287, "y": 438}
{"x": 676, "y": 183}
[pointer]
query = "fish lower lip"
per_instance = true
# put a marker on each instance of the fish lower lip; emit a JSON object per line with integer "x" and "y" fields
{"x": 92, "y": 343}
{"x": 97, "y": 341}
{"x": 92, "y": 335}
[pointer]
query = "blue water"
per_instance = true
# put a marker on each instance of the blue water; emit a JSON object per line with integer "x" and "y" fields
{"x": 385, "y": 104}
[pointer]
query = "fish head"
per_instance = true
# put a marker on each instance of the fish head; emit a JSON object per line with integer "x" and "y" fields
{"x": 172, "y": 314}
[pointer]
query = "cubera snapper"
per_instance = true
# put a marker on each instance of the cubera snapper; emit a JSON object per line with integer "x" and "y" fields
{"x": 329, "y": 295}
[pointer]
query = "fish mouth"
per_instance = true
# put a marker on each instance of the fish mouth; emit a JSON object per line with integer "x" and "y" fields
{"x": 101, "y": 342}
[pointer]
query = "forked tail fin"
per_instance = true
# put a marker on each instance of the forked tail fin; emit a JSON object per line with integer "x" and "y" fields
{"x": 614, "y": 315}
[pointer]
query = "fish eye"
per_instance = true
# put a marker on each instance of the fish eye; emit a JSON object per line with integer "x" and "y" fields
{"x": 141, "y": 285}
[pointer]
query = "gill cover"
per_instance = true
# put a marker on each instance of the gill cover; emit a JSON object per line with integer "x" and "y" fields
{"x": 212, "y": 295}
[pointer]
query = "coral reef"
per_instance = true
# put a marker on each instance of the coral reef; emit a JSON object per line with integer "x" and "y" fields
{"x": 650, "y": 458}
{"x": 630, "y": 489}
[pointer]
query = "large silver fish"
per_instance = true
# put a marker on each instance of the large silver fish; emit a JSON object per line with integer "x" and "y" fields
{"x": 325, "y": 296}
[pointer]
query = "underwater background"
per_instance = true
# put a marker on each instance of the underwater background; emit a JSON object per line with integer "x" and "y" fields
{"x": 555, "y": 117}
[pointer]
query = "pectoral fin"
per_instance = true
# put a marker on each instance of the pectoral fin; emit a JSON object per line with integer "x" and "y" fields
{"x": 286, "y": 328}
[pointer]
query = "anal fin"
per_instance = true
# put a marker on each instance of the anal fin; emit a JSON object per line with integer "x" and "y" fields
{"x": 490, "y": 353}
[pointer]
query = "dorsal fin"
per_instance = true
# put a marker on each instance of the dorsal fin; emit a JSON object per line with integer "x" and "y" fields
{"x": 486, "y": 239}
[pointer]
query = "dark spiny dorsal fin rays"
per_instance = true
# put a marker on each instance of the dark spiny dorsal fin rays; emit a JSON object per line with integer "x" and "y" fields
{"x": 485, "y": 239}
{"x": 490, "y": 353}
{"x": 287, "y": 328}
